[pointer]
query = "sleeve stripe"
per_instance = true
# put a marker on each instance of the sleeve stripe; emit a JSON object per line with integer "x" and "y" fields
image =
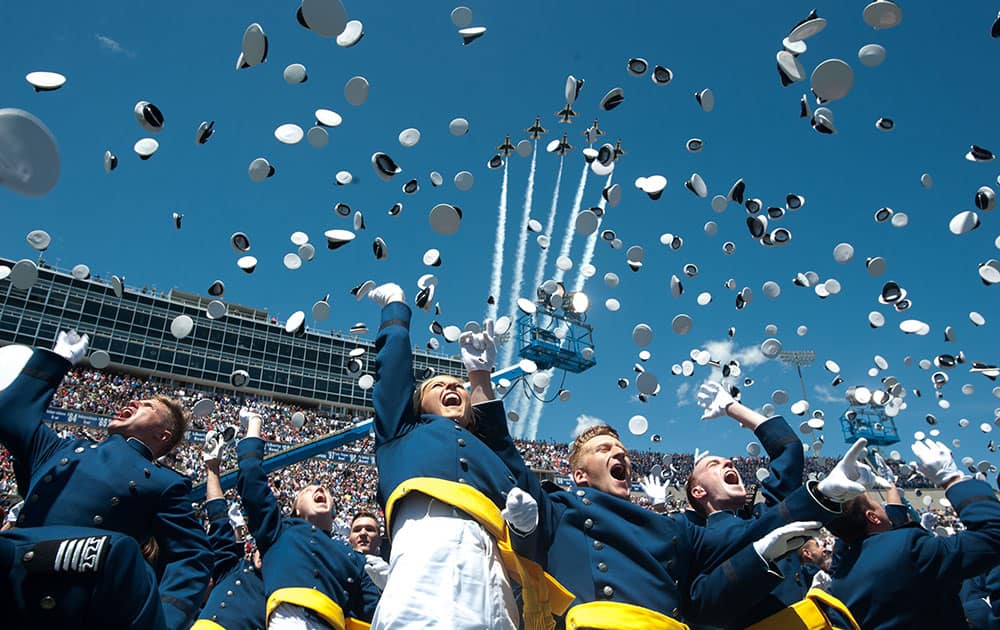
{"x": 394, "y": 322}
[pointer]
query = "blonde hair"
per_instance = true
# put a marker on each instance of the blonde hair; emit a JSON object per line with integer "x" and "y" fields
{"x": 576, "y": 450}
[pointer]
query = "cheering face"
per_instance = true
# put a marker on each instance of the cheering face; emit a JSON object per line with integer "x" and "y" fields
{"x": 145, "y": 420}
{"x": 446, "y": 396}
{"x": 719, "y": 483}
{"x": 605, "y": 466}
{"x": 314, "y": 502}
{"x": 364, "y": 535}
{"x": 814, "y": 552}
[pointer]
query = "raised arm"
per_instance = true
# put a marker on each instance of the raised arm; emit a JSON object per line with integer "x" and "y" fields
{"x": 22, "y": 405}
{"x": 185, "y": 555}
{"x": 393, "y": 393}
{"x": 221, "y": 536}
{"x": 263, "y": 513}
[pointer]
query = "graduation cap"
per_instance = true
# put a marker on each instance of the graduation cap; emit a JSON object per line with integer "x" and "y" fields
{"x": 45, "y": 81}
{"x": 254, "y": 49}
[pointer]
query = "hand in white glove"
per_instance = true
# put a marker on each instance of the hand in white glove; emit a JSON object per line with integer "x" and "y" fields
{"x": 385, "y": 293}
{"x": 378, "y": 570}
{"x": 654, "y": 487}
{"x": 246, "y": 413}
{"x": 479, "y": 350}
{"x": 212, "y": 450}
{"x": 786, "y": 538}
{"x": 929, "y": 520}
{"x": 714, "y": 398}
{"x": 521, "y": 511}
{"x": 236, "y": 518}
{"x": 71, "y": 346}
{"x": 935, "y": 462}
{"x": 851, "y": 478}
{"x": 822, "y": 581}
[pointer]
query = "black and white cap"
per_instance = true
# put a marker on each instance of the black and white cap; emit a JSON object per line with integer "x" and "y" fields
{"x": 45, "y": 81}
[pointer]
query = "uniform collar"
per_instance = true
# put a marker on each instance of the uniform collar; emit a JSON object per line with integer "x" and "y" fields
{"x": 140, "y": 448}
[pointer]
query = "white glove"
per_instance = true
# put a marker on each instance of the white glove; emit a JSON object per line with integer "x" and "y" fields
{"x": 653, "y": 487}
{"x": 378, "y": 570}
{"x": 929, "y": 520}
{"x": 245, "y": 414}
{"x": 935, "y": 462}
{"x": 521, "y": 511}
{"x": 385, "y": 292}
{"x": 786, "y": 538}
{"x": 714, "y": 398}
{"x": 71, "y": 346}
{"x": 850, "y": 478}
{"x": 213, "y": 446}
{"x": 479, "y": 350}
{"x": 822, "y": 581}
{"x": 236, "y": 516}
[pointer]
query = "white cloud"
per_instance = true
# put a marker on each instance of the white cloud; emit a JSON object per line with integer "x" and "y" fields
{"x": 824, "y": 394}
{"x": 584, "y": 422}
{"x": 724, "y": 350}
{"x": 682, "y": 394}
{"x": 106, "y": 42}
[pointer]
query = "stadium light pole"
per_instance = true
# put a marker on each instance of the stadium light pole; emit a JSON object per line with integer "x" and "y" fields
{"x": 798, "y": 358}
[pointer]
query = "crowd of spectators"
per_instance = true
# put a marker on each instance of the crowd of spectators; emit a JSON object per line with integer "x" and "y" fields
{"x": 104, "y": 392}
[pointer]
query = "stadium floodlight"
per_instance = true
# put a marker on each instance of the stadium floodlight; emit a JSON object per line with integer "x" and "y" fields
{"x": 577, "y": 302}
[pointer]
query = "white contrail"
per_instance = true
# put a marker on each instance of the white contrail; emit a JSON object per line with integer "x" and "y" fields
{"x": 530, "y": 421}
{"x": 571, "y": 222}
{"x": 588, "y": 250}
{"x": 521, "y": 403}
{"x": 497, "y": 277}
{"x": 522, "y": 242}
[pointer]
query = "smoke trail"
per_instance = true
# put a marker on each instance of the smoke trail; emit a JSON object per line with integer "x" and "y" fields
{"x": 588, "y": 250}
{"x": 530, "y": 421}
{"x": 521, "y": 404}
{"x": 515, "y": 292}
{"x": 571, "y": 222}
{"x": 497, "y": 277}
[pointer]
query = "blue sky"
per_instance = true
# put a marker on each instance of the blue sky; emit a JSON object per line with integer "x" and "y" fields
{"x": 181, "y": 57}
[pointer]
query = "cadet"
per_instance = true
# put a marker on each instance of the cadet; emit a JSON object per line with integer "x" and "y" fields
{"x": 626, "y": 563}
{"x": 75, "y": 577}
{"x": 237, "y": 599}
{"x": 908, "y": 577}
{"x": 442, "y": 489}
{"x": 311, "y": 579}
{"x": 115, "y": 484}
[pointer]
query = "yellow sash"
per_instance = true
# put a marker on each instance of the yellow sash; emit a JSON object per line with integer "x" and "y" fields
{"x": 613, "y": 616}
{"x": 807, "y": 614}
{"x": 317, "y": 602}
{"x": 206, "y": 624}
{"x": 543, "y": 595}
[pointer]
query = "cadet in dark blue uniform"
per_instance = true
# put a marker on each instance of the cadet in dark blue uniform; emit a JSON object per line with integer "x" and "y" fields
{"x": 624, "y": 562}
{"x": 908, "y": 577}
{"x": 443, "y": 489}
{"x": 237, "y": 599}
{"x": 75, "y": 577}
{"x": 115, "y": 484}
{"x": 310, "y": 578}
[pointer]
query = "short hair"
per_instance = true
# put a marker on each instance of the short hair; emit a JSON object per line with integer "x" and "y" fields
{"x": 852, "y": 524}
{"x": 178, "y": 420}
{"x": 693, "y": 503}
{"x": 365, "y": 514}
{"x": 576, "y": 450}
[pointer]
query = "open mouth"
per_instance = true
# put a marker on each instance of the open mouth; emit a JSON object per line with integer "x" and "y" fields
{"x": 124, "y": 414}
{"x": 319, "y": 497}
{"x": 451, "y": 399}
{"x": 731, "y": 477}
{"x": 618, "y": 471}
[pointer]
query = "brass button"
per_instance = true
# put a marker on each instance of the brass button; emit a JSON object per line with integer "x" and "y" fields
{"x": 78, "y": 449}
{"x": 461, "y": 441}
{"x": 580, "y": 493}
{"x": 239, "y": 582}
{"x": 63, "y": 461}
{"x": 586, "y": 501}
{"x": 28, "y": 556}
{"x": 132, "y": 485}
{"x": 222, "y": 605}
{"x": 229, "y": 593}
{"x": 98, "y": 519}
{"x": 115, "y": 501}
{"x": 461, "y": 480}
{"x": 146, "y": 472}
{"x": 608, "y": 591}
{"x": 598, "y": 545}
{"x": 602, "y": 567}
{"x": 587, "y": 524}
{"x": 48, "y": 602}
